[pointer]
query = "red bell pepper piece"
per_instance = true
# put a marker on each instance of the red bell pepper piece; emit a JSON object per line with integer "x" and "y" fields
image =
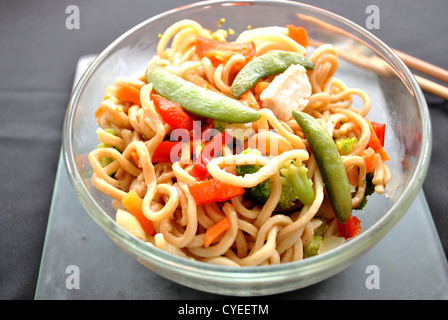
{"x": 163, "y": 152}
{"x": 380, "y": 130}
{"x": 199, "y": 171}
{"x": 172, "y": 113}
{"x": 213, "y": 190}
{"x": 211, "y": 149}
{"x": 214, "y": 147}
{"x": 221, "y": 51}
{"x": 375, "y": 143}
{"x": 350, "y": 229}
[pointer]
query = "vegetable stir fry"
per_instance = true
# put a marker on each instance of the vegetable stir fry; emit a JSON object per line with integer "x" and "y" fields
{"x": 242, "y": 153}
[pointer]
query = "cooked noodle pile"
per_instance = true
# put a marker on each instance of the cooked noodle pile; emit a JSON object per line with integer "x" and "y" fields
{"x": 256, "y": 234}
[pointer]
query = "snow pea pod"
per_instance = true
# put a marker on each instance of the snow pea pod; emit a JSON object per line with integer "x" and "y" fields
{"x": 198, "y": 100}
{"x": 265, "y": 65}
{"x": 330, "y": 164}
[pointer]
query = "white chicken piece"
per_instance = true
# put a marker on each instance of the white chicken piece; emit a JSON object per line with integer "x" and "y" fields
{"x": 288, "y": 91}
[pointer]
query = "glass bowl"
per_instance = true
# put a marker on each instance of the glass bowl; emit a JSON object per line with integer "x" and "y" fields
{"x": 365, "y": 63}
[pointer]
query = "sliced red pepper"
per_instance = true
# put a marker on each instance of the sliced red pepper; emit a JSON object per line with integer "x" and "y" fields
{"x": 172, "y": 113}
{"x": 199, "y": 171}
{"x": 350, "y": 229}
{"x": 298, "y": 34}
{"x": 380, "y": 130}
{"x": 213, "y": 190}
{"x": 211, "y": 150}
{"x": 375, "y": 143}
{"x": 221, "y": 51}
{"x": 163, "y": 152}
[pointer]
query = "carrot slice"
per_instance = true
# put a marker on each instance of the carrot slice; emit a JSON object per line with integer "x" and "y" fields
{"x": 369, "y": 158}
{"x": 213, "y": 190}
{"x": 99, "y": 112}
{"x": 222, "y": 51}
{"x": 133, "y": 203}
{"x": 249, "y": 99}
{"x": 135, "y": 156}
{"x": 260, "y": 86}
{"x": 215, "y": 231}
{"x": 129, "y": 93}
{"x": 298, "y": 34}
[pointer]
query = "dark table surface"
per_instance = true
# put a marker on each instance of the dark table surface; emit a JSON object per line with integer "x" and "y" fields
{"x": 38, "y": 56}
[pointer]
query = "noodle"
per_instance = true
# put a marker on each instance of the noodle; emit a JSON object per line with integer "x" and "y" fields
{"x": 131, "y": 132}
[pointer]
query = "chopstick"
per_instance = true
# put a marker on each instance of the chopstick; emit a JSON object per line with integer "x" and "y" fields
{"x": 429, "y": 70}
{"x": 432, "y": 87}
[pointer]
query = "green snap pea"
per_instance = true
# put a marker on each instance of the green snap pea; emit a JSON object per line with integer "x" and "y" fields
{"x": 265, "y": 65}
{"x": 330, "y": 164}
{"x": 198, "y": 100}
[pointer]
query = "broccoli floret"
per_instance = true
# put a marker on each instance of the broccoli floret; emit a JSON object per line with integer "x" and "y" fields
{"x": 252, "y": 151}
{"x": 345, "y": 146}
{"x": 312, "y": 248}
{"x": 301, "y": 188}
{"x": 370, "y": 189}
{"x": 107, "y": 160}
{"x": 111, "y": 131}
{"x": 295, "y": 184}
{"x": 260, "y": 193}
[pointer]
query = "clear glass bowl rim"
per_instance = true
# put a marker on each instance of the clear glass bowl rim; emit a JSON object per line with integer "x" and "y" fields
{"x": 289, "y": 271}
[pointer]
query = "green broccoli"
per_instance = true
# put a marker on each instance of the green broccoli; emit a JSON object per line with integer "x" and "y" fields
{"x": 107, "y": 160}
{"x": 312, "y": 248}
{"x": 345, "y": 146}
{"x": 370, "y": 189}
{"x": 300, "y": 187}
{"x": 260, "y": 192}
{"x": 295, "y": 184}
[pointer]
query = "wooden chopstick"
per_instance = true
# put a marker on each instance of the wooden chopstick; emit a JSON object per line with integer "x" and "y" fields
{"x": 432, "y": 87}
{"x": 429, "y": 70}
{"x": 423, "y": 66}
